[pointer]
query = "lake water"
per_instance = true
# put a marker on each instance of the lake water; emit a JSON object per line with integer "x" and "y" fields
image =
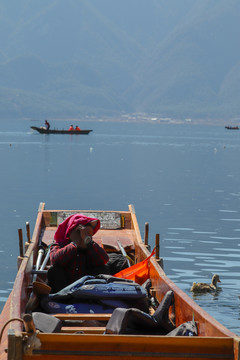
{"x": 182, "y": 179}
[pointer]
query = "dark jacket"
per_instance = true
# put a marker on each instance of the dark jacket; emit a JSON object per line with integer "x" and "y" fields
{"x": 78, "y": 262}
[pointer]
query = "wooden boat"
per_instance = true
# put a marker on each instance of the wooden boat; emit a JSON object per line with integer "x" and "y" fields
{"x": 232, "y": 127}
{"x": 42, "y": 130}
{"x": 214, "y": 341}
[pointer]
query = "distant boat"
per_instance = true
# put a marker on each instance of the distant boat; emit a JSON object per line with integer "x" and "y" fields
{"x": 232, "y": 127}
{"x": 42, "y": 130}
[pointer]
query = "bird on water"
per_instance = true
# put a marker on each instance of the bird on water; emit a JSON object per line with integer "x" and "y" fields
{"x": 203, "y": 287}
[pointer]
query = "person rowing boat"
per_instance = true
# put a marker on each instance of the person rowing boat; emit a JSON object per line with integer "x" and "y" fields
{"x": 47, "y": 125}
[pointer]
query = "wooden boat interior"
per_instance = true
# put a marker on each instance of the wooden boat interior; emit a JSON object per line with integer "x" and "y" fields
{"x": 91, "y": 342}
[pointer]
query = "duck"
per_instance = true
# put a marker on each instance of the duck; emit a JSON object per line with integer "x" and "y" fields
{"x": 202, "y": 287}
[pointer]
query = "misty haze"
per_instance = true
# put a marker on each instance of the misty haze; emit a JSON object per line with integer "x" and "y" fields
{"x": 75, "y": 58}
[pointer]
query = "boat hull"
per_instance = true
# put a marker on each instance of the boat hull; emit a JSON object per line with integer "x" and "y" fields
{"x": 232, "y": 127}
{"x": 55, "y": 131}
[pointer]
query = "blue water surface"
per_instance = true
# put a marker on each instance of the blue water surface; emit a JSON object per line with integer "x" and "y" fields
{"x": 182, "y": 179}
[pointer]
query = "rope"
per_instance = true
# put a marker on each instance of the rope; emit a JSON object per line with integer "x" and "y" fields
{"x": 130, "y": 260}
{"x": 6, "y": 323}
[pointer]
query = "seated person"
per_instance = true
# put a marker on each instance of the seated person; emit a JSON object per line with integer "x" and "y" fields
{"x": 74, "y": 254}
{"x": 71, "y": 128}
{"x": 47, "y": 125}
{"x": 77, "y": 128}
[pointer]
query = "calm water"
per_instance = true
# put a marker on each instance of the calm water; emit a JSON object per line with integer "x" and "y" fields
{"x": 182, "y": 179}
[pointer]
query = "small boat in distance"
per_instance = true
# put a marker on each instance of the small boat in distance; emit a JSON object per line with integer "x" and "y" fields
{"x": 43, "y": 130}
{"x": 232, "y": 127}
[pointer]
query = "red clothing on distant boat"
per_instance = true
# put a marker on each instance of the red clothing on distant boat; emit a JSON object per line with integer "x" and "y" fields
{"x": 77, "y": 128}
{"x": 71, "y": 128}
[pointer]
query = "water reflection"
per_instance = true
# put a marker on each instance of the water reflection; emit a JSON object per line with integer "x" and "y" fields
{"x": 207, "y": 295}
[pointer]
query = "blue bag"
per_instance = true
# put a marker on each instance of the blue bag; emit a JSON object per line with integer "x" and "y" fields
{"x": 100, "y": 287}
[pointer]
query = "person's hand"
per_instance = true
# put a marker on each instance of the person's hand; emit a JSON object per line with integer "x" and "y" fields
{"x": 87, "y": 239}
{"x": 81, "y": 236}
{"x": 79, "y": 243}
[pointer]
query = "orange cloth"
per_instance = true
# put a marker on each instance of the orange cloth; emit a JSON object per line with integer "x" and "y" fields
{"x": 71, "y": 128}
{"x": 138, "y": 272}
{"x": 77, "y": 128}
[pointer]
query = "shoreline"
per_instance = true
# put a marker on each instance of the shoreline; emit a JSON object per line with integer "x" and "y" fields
{"x": 155, "y": 121}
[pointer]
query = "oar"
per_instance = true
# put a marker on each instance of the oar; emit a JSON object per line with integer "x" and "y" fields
{"x": 38, "y": 262}
{"x": 45, "y": 260}
{"x": 32, "y": 301}
{"x": 41, "y": 252}
{"x": 123, "y": 252}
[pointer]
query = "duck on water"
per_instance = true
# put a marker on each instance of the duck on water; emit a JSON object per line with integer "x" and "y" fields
{"x": 203, "y": 287}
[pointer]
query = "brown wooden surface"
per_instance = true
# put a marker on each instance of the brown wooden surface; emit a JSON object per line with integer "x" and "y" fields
{"x": 15, "y": 305}
{"x": 68, "y": 346}
{"x": 83, "y": 329}
{"x": 185, "y": 307}
{"x": 99, "y": 317}
{"x": 215, "y": 338}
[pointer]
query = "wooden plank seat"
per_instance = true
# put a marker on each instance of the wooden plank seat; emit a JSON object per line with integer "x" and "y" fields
{"x": 97, "y": 346}
{"x": 110, "y": 243}
{"x": 66, "y": 323}
{"x": 99, "y": 317}
{"x": 83, "y": 329}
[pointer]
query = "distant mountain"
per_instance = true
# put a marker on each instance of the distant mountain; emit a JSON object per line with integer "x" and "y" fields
{"x": 194, "y": 63}
{"x": 67, "y": 59}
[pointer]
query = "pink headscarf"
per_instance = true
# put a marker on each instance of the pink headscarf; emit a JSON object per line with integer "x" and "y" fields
{"x": 64, "y": 229}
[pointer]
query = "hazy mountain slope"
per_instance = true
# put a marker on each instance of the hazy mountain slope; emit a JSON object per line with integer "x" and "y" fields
{"x": 83, "y": 54}
{"x": 63, "y": 31}
{"x": 148, "y": 22}
{"x": 104, "y": 56}
{"x": 192, "y": 64}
